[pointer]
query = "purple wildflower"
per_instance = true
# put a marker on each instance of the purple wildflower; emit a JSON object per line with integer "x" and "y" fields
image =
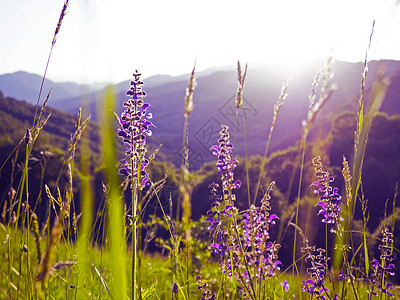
{"x": 206, "y": 293}
{"x": 217, "y": 219}
{"x": 241, "y": 240}
{"x": 222, "y": 212}
{"x": 259, "y": 250}
{"x": 385, "y": 267}
{"x": 386, "y": 289}
{"x": 309, "y": 286}
{"x": 227, "y": 267}
{"x": 135, "y": 126}
{"x": 330, "y": 200}
{"x": 314, "y": 289}
{"x": 318, "y": 265}
{"x": 256, "y": 223}
{"x": 343, "y": 276}
{"x": 285, "y": 285}
{"x": 386, "y": 248}
{"x": 226, "y": 164}
{"x": 175, "y": 288}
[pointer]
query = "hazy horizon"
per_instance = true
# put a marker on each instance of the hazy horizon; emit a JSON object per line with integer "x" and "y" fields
{"x": 228, "y": 67}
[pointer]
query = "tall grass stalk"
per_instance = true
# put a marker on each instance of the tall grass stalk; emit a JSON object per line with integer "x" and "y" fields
{"x": 30, "y": 138}
{"x": 53, "y": 42}
{"x": 233, "y": 226}
{"x": 184, "y": 187}
{"x": 364, "y": 121}
{"x": 116, "y": 233}
{"x": 239, "y": 105}
{"x": 358, "y": 148}
{"x": 188, "y": 110}
{"x": 277, "y": 107}
{"x": 315, "y": 107}
{"x": 241, "y": 78}
{"x": 69, "y": 160}
{"x": 84, "y": 236}
{"x": 36, "y": 127}
{"x": 396, "y": 192}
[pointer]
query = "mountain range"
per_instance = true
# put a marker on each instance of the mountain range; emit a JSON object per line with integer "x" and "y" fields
{"x": 25, "y": 86}
{"x": 214, "y": 102}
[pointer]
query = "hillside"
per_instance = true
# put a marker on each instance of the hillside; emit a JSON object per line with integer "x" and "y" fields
{"x": 17, "y": 116}
{"x": 45, "y": 163}
{"x": 214, "y": 105}
{"x": 381, "y": 161}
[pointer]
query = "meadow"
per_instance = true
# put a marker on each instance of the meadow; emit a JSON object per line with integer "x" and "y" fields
{"x": 127, "y": 239}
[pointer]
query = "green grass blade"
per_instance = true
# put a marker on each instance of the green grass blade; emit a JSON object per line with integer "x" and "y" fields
{"x": 379, "y": 89}
{"x": 103, "y": 282}
{"x": 84, "y": 231}
{"x": 116, "y": 233}
{"x": 149, "y": 291}
{"x": 366, "y": 256}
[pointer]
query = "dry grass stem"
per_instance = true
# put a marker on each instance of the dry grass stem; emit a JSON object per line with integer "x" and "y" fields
{"x": 60, "y": 19}
{"x": 241, "y": 81}
{"x": 189, "y": 94}
{"x": 76, "y": 136}
{"x": 326, "y": 75}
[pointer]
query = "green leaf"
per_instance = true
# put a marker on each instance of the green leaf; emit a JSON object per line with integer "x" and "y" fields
{"x": 366, "y": 254}
{"x": 149, "y": 291}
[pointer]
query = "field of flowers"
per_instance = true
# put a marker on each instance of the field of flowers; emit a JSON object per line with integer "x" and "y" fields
{"x": 230, "y": 253}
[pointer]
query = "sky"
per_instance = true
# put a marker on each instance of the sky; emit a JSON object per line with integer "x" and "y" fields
{"x": 106, "y": 40}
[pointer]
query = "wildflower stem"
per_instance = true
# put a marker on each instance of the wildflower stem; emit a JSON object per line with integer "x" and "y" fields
{"x": 326, "y": 237}
{"x": 134, "y": 237}
{"x": 234, "y": 134}
{"x": 245, "y": 262}
{"x": 246, "y": 158}
{"x": 298, "y": 204}
{"x": 221, "y": 285}
{"x": 139, "y": 231}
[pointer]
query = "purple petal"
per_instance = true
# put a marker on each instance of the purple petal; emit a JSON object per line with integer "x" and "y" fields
{"x": 322, "y": 204}
{"x": 272, "y": 217}
{"x": 216, "y": 149}
{"x": 237, "y": 184}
